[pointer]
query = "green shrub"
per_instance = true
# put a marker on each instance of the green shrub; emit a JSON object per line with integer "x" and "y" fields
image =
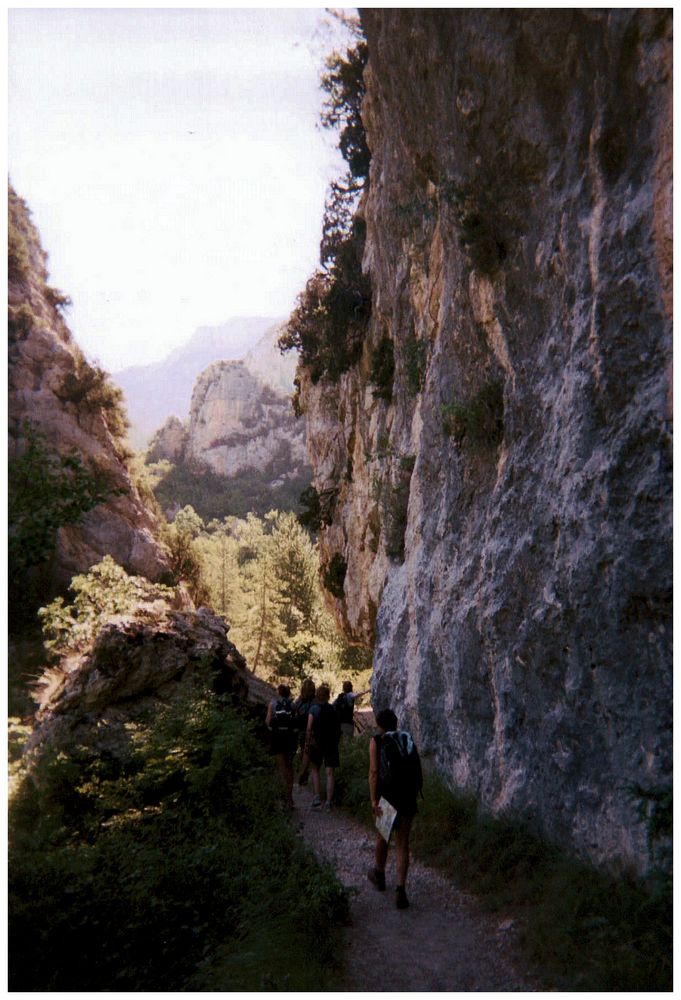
{"x": 479, "y": 421}
{"x": 394, "y": 503}
{"x": 17, "y": 254}
{"x": 57, "y": 299}
{"x": 415, "y": 351}
{"x": 169, "y": 869}
{"x": 334, "y": 575}
{"x": 479, "y": 219}
{"x": 317, "y": 509}
{"x": 383, "y": 369}
{"x": 90, "y": 389}
{"x": 46, "y": 491}
{"x": 343, "y": 82}
{"x": 21, "y": 320}
{"x": 105, "y": 590}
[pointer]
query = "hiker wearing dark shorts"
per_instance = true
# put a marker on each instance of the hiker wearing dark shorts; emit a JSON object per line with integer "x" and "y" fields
{"x": 323, "y": 735}
{"x": 395, "y": 775}
{"x": 301, "y": 707}
{"x": 284, "y": 737}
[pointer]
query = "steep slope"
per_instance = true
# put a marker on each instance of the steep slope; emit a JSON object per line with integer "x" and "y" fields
{"x": 502, "y": 515}
{"x": 76, "y": 411}
{"x": 157, "y": 391}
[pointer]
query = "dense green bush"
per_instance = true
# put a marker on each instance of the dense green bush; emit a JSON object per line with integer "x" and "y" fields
{"x": 172, "y": 869}
{"x": 480, "y": 421}
{"x": 316, "y": 509}
{"x": 583, "y": 928}
{"x": 214, "y": 496}
{"x": 105, "y": 590}
{"x": 334, "y": 575}
{"x": 383, "y": 369}
{"x": 46, "y": 491}
{"x": 393, "y": 500}
{"x": 90, "y": 389}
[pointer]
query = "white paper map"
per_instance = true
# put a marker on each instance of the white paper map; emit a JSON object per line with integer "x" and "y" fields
{"x": 384, "y": 822}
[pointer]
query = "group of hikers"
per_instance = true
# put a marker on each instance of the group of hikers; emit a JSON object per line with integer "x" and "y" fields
{"x": 316, "y": 726}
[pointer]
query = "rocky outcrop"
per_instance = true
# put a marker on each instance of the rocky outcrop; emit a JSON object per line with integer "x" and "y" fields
{"x": 169, "y": 443}
{"x": 236, "y": 422}
{"x": 72, "y": 404}
{"x": 136, "y": 663}
{"x": 163, "y": 389}
{"x": 503, "y": 507}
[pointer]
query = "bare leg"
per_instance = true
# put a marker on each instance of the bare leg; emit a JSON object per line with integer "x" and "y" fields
{"x": 330, "y": 783}
{"x": 381, "y": 853}
{"x": 315, "y": 779}
{"x": 402, "y": 849}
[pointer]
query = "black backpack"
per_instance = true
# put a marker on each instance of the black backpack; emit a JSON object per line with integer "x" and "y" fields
{"x": 400, "y": 773}
{"x": 283, "y": 720}
{"x": 326, "y": 726}
{"x": 344, "y": 708}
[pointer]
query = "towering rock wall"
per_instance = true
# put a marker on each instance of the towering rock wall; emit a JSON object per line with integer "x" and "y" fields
{"x": 505, "y": 516}
{"x": 52, "y": 386}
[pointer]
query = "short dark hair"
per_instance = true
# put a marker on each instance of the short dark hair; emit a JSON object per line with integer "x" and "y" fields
{"x": 386, "y": 720}
{"x": 284, "y": 691}
{"x": 347, "y": 686}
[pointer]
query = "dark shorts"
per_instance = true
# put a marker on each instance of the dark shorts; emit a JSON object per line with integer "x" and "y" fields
{"x": 326, "y": 754}
{"x": 286, "y": 744}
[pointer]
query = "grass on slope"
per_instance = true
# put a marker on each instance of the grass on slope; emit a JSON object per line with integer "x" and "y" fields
{"x": 586, "y": 930}
{"x": 171, "y": 870}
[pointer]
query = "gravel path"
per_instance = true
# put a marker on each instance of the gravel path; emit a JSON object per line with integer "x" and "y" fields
{"x": 442, "y": 943}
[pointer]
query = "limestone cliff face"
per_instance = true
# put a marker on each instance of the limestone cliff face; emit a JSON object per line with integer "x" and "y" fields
{"x": 236, "y": 422}
{"x": 48, "y": 375}
{"x": 505, "y": 516}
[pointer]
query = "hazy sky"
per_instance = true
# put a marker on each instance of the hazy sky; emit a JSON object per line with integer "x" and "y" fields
{"x": 173, "y": 164}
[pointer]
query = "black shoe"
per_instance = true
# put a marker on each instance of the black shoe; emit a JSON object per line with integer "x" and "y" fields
{"x": 401, "y": 901}
{"x": 377, "y": 879}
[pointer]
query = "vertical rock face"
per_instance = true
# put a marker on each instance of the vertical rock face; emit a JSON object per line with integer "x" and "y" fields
{"x": 236, "y": 422}
{"x": 505, "y": 516}
{"x": 48, "y": 376}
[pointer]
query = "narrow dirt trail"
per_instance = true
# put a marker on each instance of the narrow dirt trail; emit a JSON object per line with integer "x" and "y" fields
{"x": 443, "y": 942}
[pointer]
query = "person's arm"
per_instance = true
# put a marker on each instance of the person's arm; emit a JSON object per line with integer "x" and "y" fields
{"x": 268, "y": 717}
{"x": 308, "y": 732}
{"x": 362, "y": 693}
{"x": 373, "y": 778}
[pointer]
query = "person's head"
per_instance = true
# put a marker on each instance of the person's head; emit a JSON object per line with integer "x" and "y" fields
{"x": 307, "y": 689}
{"x": 347, "y": 687}
{"x": 284, "y": 691}
{"x": 323, "y": 692}
{"x": 386, "y": 720}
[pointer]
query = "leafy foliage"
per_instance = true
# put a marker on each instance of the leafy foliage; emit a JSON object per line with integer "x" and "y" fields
{"x": 185, "y": 560}
{"x": 46, "y": 491}
{"x": 21, "y": 320}
{"x": 90, "y": 388}
{"x": 393, "y": 500}
{"x": 479, "y": 421}
{"x": 317, "y": 508}
{"x": 334, "y": 575}
{"x": 214, "y": 496}
{"x": 104, "y": 591}
{"x": 329, "y": 322}
{"x": 383, "y": 369}
{"x": 171, "y": 869}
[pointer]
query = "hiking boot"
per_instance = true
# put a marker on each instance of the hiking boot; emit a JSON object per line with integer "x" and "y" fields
{"x": 316, "y": 802}
{"x": 377, "y": 879}
{"x": 401, "y": 901}
{"x": 327, "y": 807}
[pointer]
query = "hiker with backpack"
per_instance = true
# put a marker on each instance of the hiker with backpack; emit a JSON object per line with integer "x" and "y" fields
{"x": 280, "y": 720}
{"x": 321, "y": 745}
{"x": 345, "y": 707}
{"x": 395, "y": 776}
{"x": 301, "y": 708}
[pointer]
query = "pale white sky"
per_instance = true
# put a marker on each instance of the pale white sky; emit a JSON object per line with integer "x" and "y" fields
{"x": 173, "y": 164}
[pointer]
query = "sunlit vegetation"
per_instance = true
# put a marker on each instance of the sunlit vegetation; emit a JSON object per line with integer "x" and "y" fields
{"x": 263, "y": 575}
{"x": 583, "y": 929}
{"x": 91, "y": 389}
{"x": 167, "y": 867}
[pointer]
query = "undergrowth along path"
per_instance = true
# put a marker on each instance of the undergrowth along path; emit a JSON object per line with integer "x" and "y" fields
{"x": 444, "y": 942}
